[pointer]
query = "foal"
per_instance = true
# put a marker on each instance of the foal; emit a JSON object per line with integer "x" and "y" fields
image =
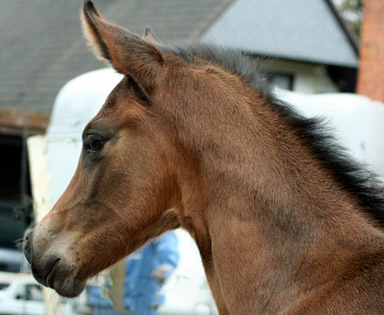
{"x": 191, "y": 138}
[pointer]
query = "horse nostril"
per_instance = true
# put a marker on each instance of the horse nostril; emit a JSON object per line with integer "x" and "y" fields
{"x": 27, "y": 247}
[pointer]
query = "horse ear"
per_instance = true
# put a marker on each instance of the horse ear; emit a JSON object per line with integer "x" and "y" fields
{"x": 150, "y": 37}
{"x": 127, "y": 52}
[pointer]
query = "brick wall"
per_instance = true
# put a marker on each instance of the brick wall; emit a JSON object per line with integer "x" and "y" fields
{"x": 371, "y": 70}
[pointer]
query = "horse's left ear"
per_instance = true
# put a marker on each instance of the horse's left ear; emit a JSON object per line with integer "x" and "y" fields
{"x": 128, "y": 53}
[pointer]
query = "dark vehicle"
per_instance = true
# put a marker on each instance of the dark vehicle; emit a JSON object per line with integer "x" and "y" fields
{"x": 14, "y": 219}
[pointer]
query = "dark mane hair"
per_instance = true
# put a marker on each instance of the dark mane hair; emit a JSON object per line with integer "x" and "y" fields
{"x": 231, "y": 59}
{"x": 351, "y": 175}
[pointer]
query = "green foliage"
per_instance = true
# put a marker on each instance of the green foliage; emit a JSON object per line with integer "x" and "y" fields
{"x": 352, "y": 5}
{"x": 352, "y": 12}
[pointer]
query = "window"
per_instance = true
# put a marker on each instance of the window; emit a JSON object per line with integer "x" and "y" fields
{"x": 282, "y": 80}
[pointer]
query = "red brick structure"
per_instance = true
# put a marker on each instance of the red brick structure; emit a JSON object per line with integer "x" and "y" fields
{"x": 371, "y": 71}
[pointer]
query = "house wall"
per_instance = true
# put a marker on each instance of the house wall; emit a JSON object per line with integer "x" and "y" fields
{"x": 307, "y": 78}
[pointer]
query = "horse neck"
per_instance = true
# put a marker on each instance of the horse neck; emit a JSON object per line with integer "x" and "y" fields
{"x": 270, "y": 212}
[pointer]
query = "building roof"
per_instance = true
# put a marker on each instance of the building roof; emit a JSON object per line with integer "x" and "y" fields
{"x": 300, "y": 30}
{"x": 42, "y": 45}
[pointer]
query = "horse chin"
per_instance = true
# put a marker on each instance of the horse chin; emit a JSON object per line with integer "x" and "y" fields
{"x": 58, "y": 276}
{"x": 68, "y": 287}
{"x": 63, "y": 281}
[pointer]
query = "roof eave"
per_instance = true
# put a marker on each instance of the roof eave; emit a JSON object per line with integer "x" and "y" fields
{"x": 351, "y": 36}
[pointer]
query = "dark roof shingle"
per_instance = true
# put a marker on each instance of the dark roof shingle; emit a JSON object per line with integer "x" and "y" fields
{"x": 42, "y": 45}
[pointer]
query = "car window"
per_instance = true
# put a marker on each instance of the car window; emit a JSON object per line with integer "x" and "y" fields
{"x": 34, "y": 292}
{"x": 4, "y": 286}
{"x": 31, "y": 292}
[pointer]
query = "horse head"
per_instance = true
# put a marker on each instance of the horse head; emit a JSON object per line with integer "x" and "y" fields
{"x": 126, "y": 188}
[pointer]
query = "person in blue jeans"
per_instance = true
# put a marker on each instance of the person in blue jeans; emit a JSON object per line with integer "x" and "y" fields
{"x": 146, "y": 271}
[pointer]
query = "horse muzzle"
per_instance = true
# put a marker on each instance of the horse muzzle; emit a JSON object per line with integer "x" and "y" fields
{"x": 52, "y": 270}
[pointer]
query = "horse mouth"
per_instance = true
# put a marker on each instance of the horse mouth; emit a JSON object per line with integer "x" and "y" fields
{"x": 53, "y": 271}
{"x": 49, "y": 279}
{"x": 58, "y": 276}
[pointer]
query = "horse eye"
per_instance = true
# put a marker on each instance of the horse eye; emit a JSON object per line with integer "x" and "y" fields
{"x": 93, "y": 144}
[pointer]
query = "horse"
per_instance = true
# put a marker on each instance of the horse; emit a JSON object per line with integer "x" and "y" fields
{"x": 193, "y": 137}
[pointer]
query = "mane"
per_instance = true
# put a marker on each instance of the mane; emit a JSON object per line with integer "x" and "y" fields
{"x": 233, "y": 60}
{"x": 351, "y": 175}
